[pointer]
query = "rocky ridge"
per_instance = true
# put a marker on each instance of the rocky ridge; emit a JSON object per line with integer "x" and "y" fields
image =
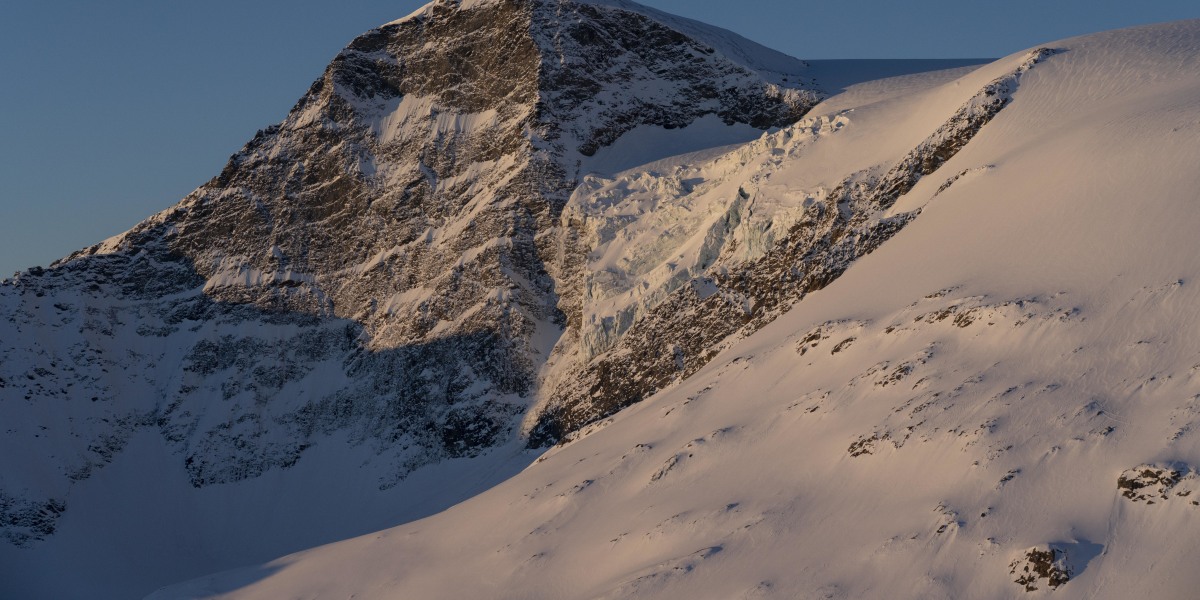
{"x": 388, "y": 264}
{"x": 731, "y": 294}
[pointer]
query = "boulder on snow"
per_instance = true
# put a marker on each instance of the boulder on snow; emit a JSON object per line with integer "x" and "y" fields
{"x": 1152, "y": 483}
{"x": 1041, "y": 566}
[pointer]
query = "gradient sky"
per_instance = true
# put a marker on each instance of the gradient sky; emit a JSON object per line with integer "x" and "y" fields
{"x": 112, "y": 111}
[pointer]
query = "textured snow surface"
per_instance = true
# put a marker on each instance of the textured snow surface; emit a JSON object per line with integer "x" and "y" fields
{"x": 1008, "y": 386}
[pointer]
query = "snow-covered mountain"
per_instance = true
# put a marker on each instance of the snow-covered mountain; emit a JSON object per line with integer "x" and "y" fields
{"x": 935, "y": 340}
{"x": 372, "y": 286}
{"x": 778, "y": 350}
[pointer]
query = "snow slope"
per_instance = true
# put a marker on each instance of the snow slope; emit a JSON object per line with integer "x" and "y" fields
{"x": 346, "y": 327}
{"x": 1008, "y": 386}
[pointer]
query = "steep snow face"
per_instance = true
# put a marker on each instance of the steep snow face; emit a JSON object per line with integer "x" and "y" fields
{"x": 1001, "y": 398}
{"x": 376, "y": 278}
{"x": 682, "y": 261}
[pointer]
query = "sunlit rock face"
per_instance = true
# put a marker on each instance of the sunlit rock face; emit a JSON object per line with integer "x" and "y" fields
{"x": 388, "y": 267}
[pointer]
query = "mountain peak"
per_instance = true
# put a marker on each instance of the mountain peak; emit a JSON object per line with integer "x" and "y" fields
{"x": 774, "y": 66}
{"x": 1000, "y": 400}
{"x": 385, "y": 275}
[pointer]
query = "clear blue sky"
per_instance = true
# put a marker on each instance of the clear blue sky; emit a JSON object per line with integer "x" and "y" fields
{"x": 112, "y": 111}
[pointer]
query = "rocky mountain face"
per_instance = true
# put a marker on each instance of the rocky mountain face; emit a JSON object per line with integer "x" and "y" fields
{"x": 391, "y": 265}
{"x": 947, "y": 362}
{"x": 730, "y": 292}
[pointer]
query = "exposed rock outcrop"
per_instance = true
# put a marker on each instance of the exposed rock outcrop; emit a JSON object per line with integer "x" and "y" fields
{"x": 686, "y": 329}
{"x": 386, "y": 263}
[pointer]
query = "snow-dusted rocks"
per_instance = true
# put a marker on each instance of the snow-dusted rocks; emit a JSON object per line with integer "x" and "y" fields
{"x": 1151, "y": 484}
{"x": 380, "y": 276}
{"x": 899, "y": 347}
{"x": 681, "y": 262}
{"x": 1019, "y": 348}
{"x": 1041, "y": 566}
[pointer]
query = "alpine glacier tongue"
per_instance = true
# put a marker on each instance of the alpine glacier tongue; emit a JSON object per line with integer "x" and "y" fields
{"x": 999, "y": 399}
{"x": 369, "y": 287}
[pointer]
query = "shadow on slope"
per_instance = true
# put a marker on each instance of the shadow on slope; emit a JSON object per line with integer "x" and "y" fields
{"x": 246, "y": 432}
